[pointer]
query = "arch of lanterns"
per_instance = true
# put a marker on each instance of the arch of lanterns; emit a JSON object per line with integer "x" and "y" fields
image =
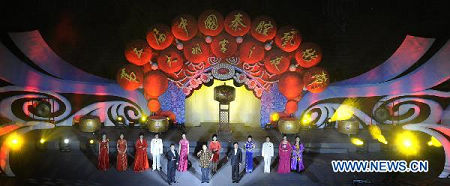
{"x": 255, "y": 53}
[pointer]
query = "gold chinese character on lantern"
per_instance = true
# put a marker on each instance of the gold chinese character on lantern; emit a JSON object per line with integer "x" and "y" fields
{"x": 129, "y": 77}
{"x": 170, "y": 60}
{"x": 196, "y": 49}
{"x": 183, "y": 24}
{"x": 309, "y": 54}
{"x": 288, "y": 37}
{"x": 138, "y": 52}
{"x": 319, "y": 78}
{"x": 211, "y": 22}
{"x": 223, "y": 45}
{"x": 275, "y": 62}
{"x": 237, "y": 23}
{"x": 251, "y": 51}
{"x": 160, "y": 37}
{"x": 263, "y": 27}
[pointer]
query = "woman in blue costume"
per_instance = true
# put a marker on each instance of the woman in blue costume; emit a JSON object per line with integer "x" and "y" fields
{"x": 249, "y": 146}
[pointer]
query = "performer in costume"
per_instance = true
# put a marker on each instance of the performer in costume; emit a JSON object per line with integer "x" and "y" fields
{"x": 141, "y": 158}
{"x": 122, "y": 147}
{"x": 235, "y": 155}
{"x": 103, "y": 153}
{"x": 249, "y": 146}
{"x": 183, "y": 148}
{"x": 156, "y": 149}
{"x": 297, "y": 155}
{"x": 172, "y": 162}
{"x": 206, "y": 157}
{"x": 215, "y": 147}
{"x": 267, "y": 153}
{"x": 284, "y": 152}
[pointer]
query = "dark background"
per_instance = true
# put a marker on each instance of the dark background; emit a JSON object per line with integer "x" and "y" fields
{"x": 355, "y": 35}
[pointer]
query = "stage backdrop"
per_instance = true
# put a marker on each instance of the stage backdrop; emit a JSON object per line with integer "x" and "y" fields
{"x": 201, "y": 106}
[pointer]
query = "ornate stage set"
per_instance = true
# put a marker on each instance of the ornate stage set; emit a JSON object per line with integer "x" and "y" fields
{"x": 230, "y": 69}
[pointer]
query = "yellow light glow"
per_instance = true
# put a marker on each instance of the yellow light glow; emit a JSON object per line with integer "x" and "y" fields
{"x": 344, "y": 112}
{"x": 91, "y": 141}
{"x": 274, "y": 116}
{"x": 407, "y": 143}
{"x": 143, "y": 118}
{"x": 14, "y": 141}
{"x": 434, "y": 142}
{"x": 375, "y": 132}
{"x": 42, "y": 141}
{"x": 119, "y": 118}
{"x": 201, "y": 107}
{"x": 357, "y": 141}
{"x": 306, "y": 119}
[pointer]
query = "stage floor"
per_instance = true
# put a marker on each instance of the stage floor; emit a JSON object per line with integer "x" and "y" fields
{"x": 78, "y": 167}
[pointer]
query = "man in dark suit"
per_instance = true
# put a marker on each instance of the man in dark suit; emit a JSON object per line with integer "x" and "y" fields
{"x": 172, "y": 162}
{"x": 235, "y": 155}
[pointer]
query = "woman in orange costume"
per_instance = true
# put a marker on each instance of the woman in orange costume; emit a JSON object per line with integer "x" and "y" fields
{"x": 214, "y": 146}
{"x": 141, "y": 158}
{"x": 122, "y": 148}
{"x": 103, "y": 153}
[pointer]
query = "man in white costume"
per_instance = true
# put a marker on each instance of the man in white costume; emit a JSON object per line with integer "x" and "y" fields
{"x": 267, "y": 153}
{"x": 156, "y": 149}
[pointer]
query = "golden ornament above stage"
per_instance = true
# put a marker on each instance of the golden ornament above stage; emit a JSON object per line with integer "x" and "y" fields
{"x": 89, "y": 123}
{"x": 289, "y": 125}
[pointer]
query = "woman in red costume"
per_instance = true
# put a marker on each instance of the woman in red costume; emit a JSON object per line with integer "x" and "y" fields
{"x": 103, "y": 153}
{"x": 141, "y": 159}
{"x": 214, "y": 146}
{"x": 122, "y": 161}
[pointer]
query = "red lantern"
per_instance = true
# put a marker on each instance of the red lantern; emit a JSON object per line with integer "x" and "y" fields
{"x": 308, "y": 55}
{"x": 263, "y": 28}
{"x": 154, "y": 105}
{"x": 155, "y": 83}
{"x": 138, "y": 52}
{"x": 316, "y": 79}
{"x": 130, "y": 77}
{"x": 159, "y": 37}
{"x": 196, "y": 51}
{"x": 251, "y": 52}
{"x": 223, "y": 46}
{"x": 290, "y": 85}
{"x": 170, "y": 61}
{"x": 291, "y": 107}
{"x": 288, "y": 38}
{"x": 184, "y": 27}
{"x": 210, "y": 23}
{"x": 277, "y": 62}
{"x": 237, "y": 23}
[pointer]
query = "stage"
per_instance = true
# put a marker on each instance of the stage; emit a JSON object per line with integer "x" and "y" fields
{"x": 34, "y": 166}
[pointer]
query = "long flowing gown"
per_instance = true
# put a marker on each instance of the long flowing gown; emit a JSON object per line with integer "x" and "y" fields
{"x": 103, "y": 156}
{"x": 122, "y": 161}
{"x": 215, "y": 147}
{"x": 297, "y": 157}
{"x": 183, "y": 162}
{"x": 249, "y": 146}
{"x": 284, "y": 164}
{"x": 141, "y": 158}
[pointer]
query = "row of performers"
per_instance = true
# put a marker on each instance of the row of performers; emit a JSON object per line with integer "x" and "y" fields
{"x": 290, "y": 156}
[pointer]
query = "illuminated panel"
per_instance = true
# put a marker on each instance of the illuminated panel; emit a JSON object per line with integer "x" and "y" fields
{"x": 201, "y": 106}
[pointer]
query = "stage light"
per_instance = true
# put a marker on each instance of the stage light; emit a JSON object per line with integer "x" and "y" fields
{"x": 42, "y": 141}
{"x": 275, "y": 116}
{"x": 434, "y": 142}
{"x": 357, "y": 141}
{"x": 344, "y": 112}
{"x": 144, "y": 118}
{"x": 14, "y": 141}
{"x": 375, "y": 132}
{"x": 64, "y": 145}
{"x": 407, "y": 143}
{"x": 91, "y": 141}
{"x": 306, "y": 119}
{"x": 119, "y": 118}
{"x": 66, "y": 141}
{"x": 168, "y": 119}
